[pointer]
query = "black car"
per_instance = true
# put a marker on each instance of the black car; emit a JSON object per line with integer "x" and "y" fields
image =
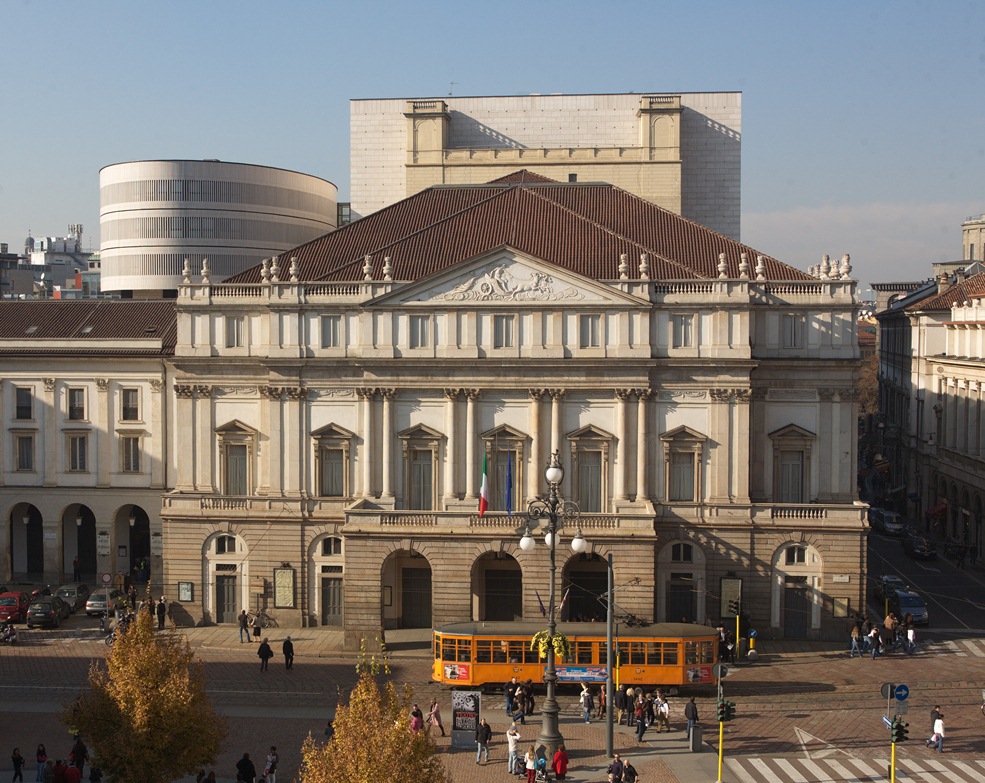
{"x": 918, "y": 547}
{"x": 47, "y": 612}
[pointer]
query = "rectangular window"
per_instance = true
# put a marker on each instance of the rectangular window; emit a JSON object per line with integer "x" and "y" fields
{"x": 682, "y": 324}
{"x": 420, "y": 480}
{"x": 78, "y": 448}
{"x": 332, "y": 473}
{"x": 503, "y": 331}
{"x": 235, "y": 331}
{"x": 681, "y": 476}
{"x": 24, "y": 445}
{"x": 589, "y": 328}
{"x": 791, "y": 477}
{"x": 131, "y": 404}
{"x": 590, "y": 481}
{"x": 331, "y": 331}
{"x": 793, "y": 331}
{"x": 130, "y": 456}
{"x": 77, "y": 404}
{"x": 236, "y": 475}
{"x": 25, "y": 403}
{"x": 505, "y": 485}
{"x": 419, "y": 331}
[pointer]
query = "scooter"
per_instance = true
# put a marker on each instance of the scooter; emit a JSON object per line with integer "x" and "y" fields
{"x": 9, "y": 634}
{"x": 46, "y": 590}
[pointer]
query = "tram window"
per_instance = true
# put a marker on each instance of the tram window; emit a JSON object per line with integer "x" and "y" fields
{"x": 583, "y": 652}
{"x": 690, "y": 652}
{"x": 603, "y": 653}
{"x": 464, "y": 653}
{"x": 448, "y": 649}
{"x": 654, "y": 653}
{"x": 707, "y": 652}
{"x": 483, "y": 651}
{"x": 670, "y": 653}
{"x": 516, "y": 652}
{"x": 530, "y": 656}
{"x": 637, "y": 653}
{"x": 437, "y": 648}
{"x": 622, "y": 650}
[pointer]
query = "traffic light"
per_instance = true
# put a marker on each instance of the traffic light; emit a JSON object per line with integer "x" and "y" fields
{"x": 900, "y": 730}
{"x": 726, "y": 711}
{"x": 733, "y": 607}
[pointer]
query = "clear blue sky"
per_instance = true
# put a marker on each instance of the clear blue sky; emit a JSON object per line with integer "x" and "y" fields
{"x": 863, "y": 122}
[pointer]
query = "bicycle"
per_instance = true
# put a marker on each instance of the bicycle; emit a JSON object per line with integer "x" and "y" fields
{"x": 266, "y": 621}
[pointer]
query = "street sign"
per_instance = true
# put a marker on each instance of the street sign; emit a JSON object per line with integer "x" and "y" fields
{"x": 901, "y": 692}
{"x": 902, "y": 708}
{"x": 107, "y": 578}
{"x": 888, "y": 689}
{"x": 719, "y": 670}
{"x": 887, "y": 721}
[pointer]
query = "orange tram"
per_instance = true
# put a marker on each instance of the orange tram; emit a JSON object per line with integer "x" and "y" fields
{"x": 481, "y": 653}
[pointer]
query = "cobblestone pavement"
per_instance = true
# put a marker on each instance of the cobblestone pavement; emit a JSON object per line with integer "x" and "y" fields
{"x": 799, "y": 699}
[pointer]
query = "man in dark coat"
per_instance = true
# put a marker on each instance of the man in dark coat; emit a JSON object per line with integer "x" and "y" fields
{"x": 80, "y": 753}
{"x": 245, "y": 771}
{"x": 691, "y": 713}
{"x": 162, "y": 611}
{"x": 620, "y": 703}
{"x": 265, "y": 654}
{"x": 289, "y": 653}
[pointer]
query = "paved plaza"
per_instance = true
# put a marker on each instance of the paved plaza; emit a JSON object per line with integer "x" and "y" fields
{"x": 799, "y": 700}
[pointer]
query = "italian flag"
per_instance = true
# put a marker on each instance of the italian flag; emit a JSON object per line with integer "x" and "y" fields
{"x": 484, "y": 489}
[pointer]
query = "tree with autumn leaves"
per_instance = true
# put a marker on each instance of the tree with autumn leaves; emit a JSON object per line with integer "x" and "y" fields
{"x": 146, "y": 715}
{"x": 373, "y": 740}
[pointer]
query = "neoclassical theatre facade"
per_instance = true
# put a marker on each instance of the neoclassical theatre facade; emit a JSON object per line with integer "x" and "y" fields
{"x": 334, "y": 408}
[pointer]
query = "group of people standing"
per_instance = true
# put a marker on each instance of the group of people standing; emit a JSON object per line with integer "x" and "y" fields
{"x": 68, "y": 770}
{"x": 876, "y": 639}
{"x": 246, "y": 771}
{"x": 519, "y": 699}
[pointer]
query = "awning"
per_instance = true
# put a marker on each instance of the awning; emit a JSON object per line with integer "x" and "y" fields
{"x": 940, "y": 508}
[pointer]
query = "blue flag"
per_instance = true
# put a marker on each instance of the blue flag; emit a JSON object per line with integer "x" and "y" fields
{"x": 509, "y": 484}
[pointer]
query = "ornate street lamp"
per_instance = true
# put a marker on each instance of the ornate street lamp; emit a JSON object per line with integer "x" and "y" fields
{"x": 552, "y": 509}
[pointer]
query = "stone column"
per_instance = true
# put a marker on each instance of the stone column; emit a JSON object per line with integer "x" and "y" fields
{"x": 158, "y": 437}
{"x": 556, "y": 396}
{"x": 388, "y": 397}
{"x": 974, "y": 420}
{"x": 269, "y": 468}
{"x": 951, "y": 401}
{"x": 367, "y": 395}
{"x": 981, "y": 420}
{"x": 718, "y": 469}
{"x": 451, "y": 456}
{"x": 49, "y": 445}
{"x": 102, "y": 421}
{"x": 471, "y": 411}
{"x": 642, "y": 441}
{"x": 537, "y": 461}
{"x": 293, "y": 437}
{"x": 205, "y": 479}
{"x": 620, "y": 466}
{"x": 757, "y": 444}
{"x": 184, "y": 443}
{"x": 741, "y": 446}
{"x": 825, "y": 441}
{"x": 961, "y": 404}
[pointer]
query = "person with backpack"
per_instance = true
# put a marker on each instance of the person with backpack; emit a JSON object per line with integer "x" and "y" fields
{"x": 616, "y": 769}
{"x": 587, "y": 702}
{"x": 264, "y": 653}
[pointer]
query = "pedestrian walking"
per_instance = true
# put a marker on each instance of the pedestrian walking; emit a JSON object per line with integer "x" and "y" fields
{"x": 629, "y": 773}
{"x": 874, "y": 641}
{"x": 640, "y": 715}
{"x": 76, "y": 569}
{"x": 856, "y": 645}
{"x": 509, "y": 690}
{"x": 691, "y": 713}
{"x": 288, "y": 648}
{"x": 530, "y": 764}
{"x": 264, "y": 653}
{"x": 616, "y": 769}
{"x": 434, "y": 716}
{"x": 245, "y": 771}
{"x": 257, "y": 625}
{"x": 619, "y": 702}
{"x": 270, "y": 768}
{"x": 513, "y": 740}
{"x": 936, "y": 740}
{"x": 416, "y": 720}
{"x": 934, "y": 715}
{"x": 587, "y": 702}
{"x": 79, "y": 754}
{"x": 162, "y": 612}
{"x": 911, "y": 639}
{"x": 18, "y": 761}
{"x": 244, "y": 626}
{"x": 42, "y": 758}
{"x": 483, "y": 734}
{"x": 132, "y": 595}
{"x": 560, "y": 763}
{"x": 662, "y": 712}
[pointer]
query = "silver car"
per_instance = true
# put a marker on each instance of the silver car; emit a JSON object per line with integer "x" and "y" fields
{"x": 98, "y": 602}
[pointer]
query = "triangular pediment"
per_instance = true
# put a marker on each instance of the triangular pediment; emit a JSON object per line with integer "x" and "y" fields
{"x": 590, "y": 432}
{"x": 333, "y": 431}
{"x": 792, "y": 432}
{"x": 504, "y": 432}
{"x": 235, "y": 427}
{"x": 421, "y": 431}
{"x": 683, "y": 433}
{"x": 506, "y": 277}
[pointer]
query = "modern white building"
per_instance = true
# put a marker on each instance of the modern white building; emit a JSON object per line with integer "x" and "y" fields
{"x": 681, "y": 151}
{"x": 154, "y": 214}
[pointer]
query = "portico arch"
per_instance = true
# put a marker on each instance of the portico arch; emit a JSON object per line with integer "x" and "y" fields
{"x": 79, "y": 539}
{"x": 406, "y": 590}
{"x": 26, "y": 545}
{"x": 795, "y": 600}
{"x": 497, "y": 587}
{"x": 681, "y": 582}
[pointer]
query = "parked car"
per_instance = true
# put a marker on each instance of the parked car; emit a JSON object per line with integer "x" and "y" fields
{"x": 887, "y": 584}
{"x": 98, "y": 603}
{"x": 75, "y": 594}
{"x": 888, "y": 522}
{"x": 48, "y": 612}
{"x": 918, "y": 547}
{"x": 906, "y": 602}
{"x": 13, "y": 607}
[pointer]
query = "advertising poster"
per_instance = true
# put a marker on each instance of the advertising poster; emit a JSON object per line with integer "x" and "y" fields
{"x": 581, "y": 673}
{"x": 457, "y": 671}
{"x": 699, "y": 674}
{"x": 465, "y": 714}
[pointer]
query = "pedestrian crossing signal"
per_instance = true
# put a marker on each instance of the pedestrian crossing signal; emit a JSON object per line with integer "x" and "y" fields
{"x": 900, "y": 731}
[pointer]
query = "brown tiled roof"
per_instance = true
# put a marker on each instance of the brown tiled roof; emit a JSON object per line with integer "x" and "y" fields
{"x": 581, "y": 227}
{"x": 520, "y": 177}
{"x": 81, "y": 320}
{"x": 959, "y": 292}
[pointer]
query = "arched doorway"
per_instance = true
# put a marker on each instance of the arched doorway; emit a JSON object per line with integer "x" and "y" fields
{"x": 26, "y": 543}
{"x": 138, "y": 539}
{"x": 497, "y": 587}
{"x": 585, "y": 582}
{"x": 79, "y": 539}
{"x": 406, "y": 600}
{"x": 328, "y": 579}
{"x": 680, "y": 587}
{"x": 795, "y": 601}
{"x": 224, "y": 557}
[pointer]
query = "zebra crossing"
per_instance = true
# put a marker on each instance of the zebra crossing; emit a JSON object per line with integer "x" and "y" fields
{"x": 962, "y": 648}
{"x": 844, "y": 768}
